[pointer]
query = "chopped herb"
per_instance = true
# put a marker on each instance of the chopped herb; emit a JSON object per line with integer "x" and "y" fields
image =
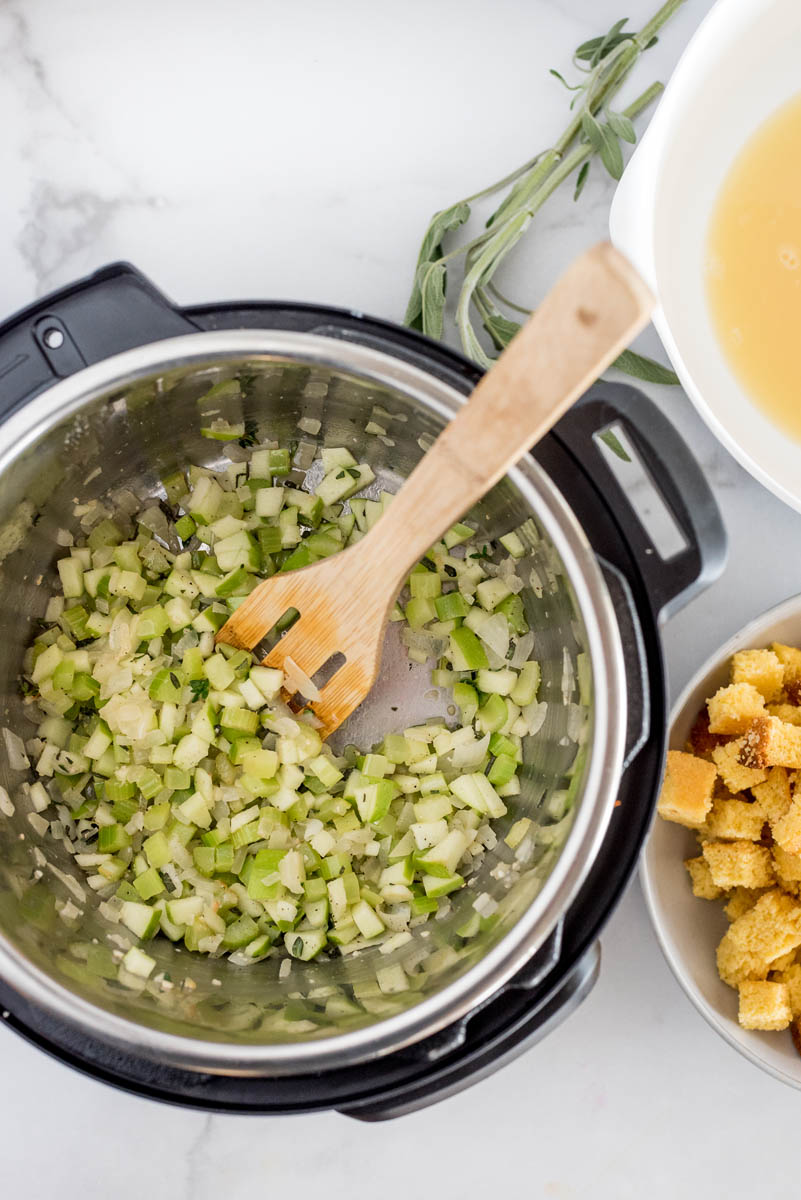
{"x": 26, "y": 688}
{"x": 484, "y": 553}
{"x": 200, "y": 688}
{"x": 251, "y": 434}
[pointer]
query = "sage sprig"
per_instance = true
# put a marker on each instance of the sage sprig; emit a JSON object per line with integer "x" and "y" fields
{"x": 595, "y": 131}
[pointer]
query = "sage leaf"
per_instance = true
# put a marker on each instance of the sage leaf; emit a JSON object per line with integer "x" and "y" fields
{"x": 441, "y": 223}
{"x": 592, "y": 130}
{"x": 610, "y": 153}
{"x": 623, "y": 127}
{"x": 581, "y": 179}
{"x": 414, "y": 309}
{"x": 433, "y": 300}
{"x": 571, "y": 87}
{"x": 596, "y": 49}
{"x": 501, "y": 329}
{"x": 613, "y": 442}
{"x": 640, "y": 366}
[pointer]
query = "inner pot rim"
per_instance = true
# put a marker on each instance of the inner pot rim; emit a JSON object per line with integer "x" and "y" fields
{"x": 595, "y": 802}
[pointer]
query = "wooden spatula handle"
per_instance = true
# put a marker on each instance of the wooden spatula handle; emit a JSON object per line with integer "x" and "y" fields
{"x": 592, "y": 313}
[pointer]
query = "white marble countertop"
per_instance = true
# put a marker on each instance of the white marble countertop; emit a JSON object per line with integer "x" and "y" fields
{"x": 261, "y": 149}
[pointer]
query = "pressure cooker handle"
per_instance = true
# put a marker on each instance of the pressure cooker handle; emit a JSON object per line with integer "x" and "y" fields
{"x": 115, "y": 309}
{"x": 641, "y": 465}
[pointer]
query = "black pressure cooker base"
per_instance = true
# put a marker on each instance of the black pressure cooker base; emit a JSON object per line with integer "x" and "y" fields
{"x": 564, "y": 969}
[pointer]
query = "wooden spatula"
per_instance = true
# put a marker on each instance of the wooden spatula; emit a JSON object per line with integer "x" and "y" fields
{"x": 592, "y": 313}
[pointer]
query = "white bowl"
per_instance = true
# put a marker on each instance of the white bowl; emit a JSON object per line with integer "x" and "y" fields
{"x": 689, "y": 929}
{"x": 741, "y": 65}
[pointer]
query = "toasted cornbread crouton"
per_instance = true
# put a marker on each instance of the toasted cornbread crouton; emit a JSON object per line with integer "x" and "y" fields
{"x": 701, "y": 879}
{"x": 770, "y": 929}
{"x": 764, "y": 1005}
{"x": 686, "y": 795}
{"x": 790, "y": 658}
{"x": 736, "y": 965}
{"x": 787, "y": 830}
{"x": 762, "y": 669}
{"x": 733, "y": 818}
{"x": 782, "y": 964}
{"x": 738, "y": 864}
{"x": 789, "y": 713}
{"x": 735, "y": 776}
{"x": 787, "y": 868}
{"x": 734, "y": 708}
{"x": 773, "y": 796}
{"x": 739, "y": 901}
{"x": 769, "y": 742}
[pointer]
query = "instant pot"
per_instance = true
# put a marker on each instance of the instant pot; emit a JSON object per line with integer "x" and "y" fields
{"x": 99, "y": 386}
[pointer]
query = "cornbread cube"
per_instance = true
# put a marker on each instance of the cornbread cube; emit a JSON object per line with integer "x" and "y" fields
{"x": 734, "y": 818}
{"x": 770, "y": 929}
{"x": 769, "y": 742}
{"x": 764, "y": 1005}
{"x": 791, "y": 978}
{"x": 781, "y": 964}
{"x": 787, "y": 830}
{"x": 773, "y": 796}
{"x": 701, "y": 879}
{"x": 790, "y": 713}
{"x": 738, "y": 864}
{"x": 787, "y": 867}
{"x": 739, "y": 901}
{"x": 790, "y": 658}
{"x": 734, "y": 708}
{"x": 762, "y": 669}
{"x": 736, "y": 965}
{"x": 686, "y": 795}
{"x": 735, "y": 776}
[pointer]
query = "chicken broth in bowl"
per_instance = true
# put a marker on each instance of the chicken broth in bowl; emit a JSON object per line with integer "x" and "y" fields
{"x": 753, "y": 269}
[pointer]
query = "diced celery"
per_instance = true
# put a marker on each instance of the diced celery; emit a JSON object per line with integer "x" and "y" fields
{"x": 477, "y": 791}
{"x": 502, "y": 770}
{"x": 305, "y": 943}
{"x": 491, "y": 592}
{"x": 157, "y": 850}
{"x": 492, "y": 714}
{"x": 240, "y": 932}
{"x": 436, "y": 885}
{"x": 71, "y": 572}
{"x": 111, "y": 838}
{"x": 512, "y": 609}
{"x": 149, "y": 884}
{"x": 467, "y": 651}
{"x": 513, "y": 544}
{"x": 527, "y": 684}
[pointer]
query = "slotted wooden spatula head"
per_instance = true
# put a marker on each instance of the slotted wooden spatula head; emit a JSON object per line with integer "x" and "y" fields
{"x": 592, "y": 313}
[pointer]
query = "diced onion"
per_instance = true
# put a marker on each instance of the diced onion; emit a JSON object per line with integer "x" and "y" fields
{"x": 15, "y": 749}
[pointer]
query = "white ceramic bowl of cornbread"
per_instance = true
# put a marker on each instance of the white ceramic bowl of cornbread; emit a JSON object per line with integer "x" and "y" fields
{"x": 688, "y": 928}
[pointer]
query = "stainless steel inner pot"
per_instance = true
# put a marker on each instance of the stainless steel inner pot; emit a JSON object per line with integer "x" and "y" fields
{"x": 116, "y": 428}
